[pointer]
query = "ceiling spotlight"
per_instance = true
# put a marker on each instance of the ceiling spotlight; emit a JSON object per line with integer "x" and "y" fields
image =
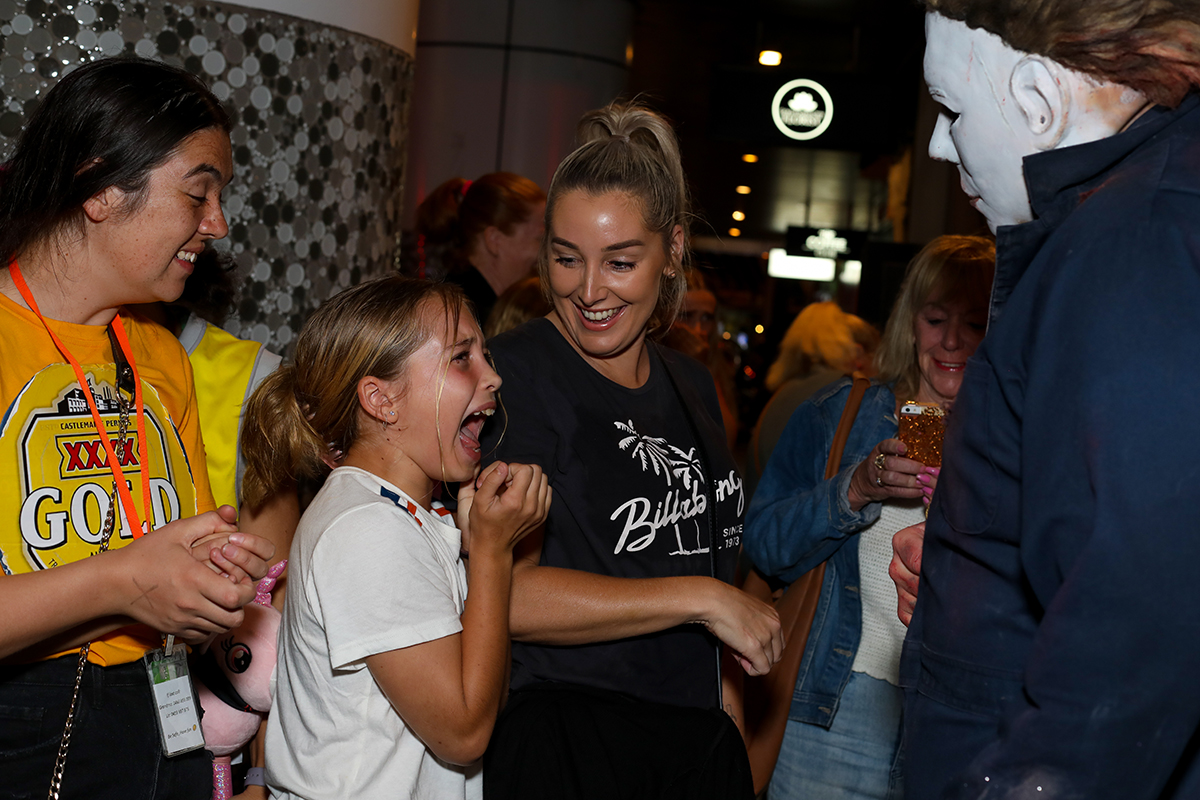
{"x": 743, "y": 190}
{"x": 770, "y": 58}
{"x": 739, "y": 216}
{"x": 750, "y": 158}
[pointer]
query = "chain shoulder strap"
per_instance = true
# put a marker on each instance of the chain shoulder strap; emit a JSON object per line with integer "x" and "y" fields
{"x": 64, "y": 744}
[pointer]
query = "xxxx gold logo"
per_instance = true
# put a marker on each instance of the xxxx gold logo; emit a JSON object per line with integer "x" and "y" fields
{"x": 63, "y": 492}
{"x": 88, "y": 456}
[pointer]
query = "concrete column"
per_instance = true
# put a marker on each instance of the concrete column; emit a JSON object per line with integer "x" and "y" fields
{"x": 319, "y": 92}
{"x": 501, "y": 83}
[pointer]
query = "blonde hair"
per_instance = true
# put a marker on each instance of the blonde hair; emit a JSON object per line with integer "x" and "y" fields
{"x": 820, "y": 335}
{"x": 518, "y": 304}
{"x": 949, "y": 268}
{"x": 627, "y": 148}
{"x": 310, "y": 404}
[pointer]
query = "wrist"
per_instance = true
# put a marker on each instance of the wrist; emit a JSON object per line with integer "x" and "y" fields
{"x": 705, "y": 598}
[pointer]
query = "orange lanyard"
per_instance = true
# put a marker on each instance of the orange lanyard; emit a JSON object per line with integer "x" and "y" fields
{"x": 135, "y": 523}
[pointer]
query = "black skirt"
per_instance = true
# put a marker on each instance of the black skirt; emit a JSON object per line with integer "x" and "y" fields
{"x": 564, "y": 742}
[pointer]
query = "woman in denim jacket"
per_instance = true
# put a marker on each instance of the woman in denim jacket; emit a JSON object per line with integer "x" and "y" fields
{"x": 843, "y": 732}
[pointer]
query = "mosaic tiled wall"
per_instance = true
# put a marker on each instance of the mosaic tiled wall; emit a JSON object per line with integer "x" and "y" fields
{"x": 318, "y": 141}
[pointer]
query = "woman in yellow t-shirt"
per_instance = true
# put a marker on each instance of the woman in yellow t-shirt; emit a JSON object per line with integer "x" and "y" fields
{"x": 110, "y": 194}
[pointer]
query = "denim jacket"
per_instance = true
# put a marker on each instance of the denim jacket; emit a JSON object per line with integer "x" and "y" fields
{"x": 797, "y": 519}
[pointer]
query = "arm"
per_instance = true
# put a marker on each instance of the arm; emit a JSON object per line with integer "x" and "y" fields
{"x": 450, "y": 690}
{"x": 563, "y": 607}
{"x": 156, "y": 580}
{"x": 274, "y": 520}
{"x": 797, "y": 518}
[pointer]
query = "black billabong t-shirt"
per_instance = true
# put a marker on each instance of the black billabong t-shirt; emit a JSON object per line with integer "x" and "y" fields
{"x": 629, "y": 500}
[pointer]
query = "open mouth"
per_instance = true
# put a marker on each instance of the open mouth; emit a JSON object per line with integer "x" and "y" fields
{"x": 186, "y": 256}
{"x": 950, "y": 366}
{"x": 600, "y": 319}
{"x": 471, "y": 427}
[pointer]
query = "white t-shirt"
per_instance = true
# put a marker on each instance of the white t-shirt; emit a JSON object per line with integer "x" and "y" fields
{"x": 370, "y": 571}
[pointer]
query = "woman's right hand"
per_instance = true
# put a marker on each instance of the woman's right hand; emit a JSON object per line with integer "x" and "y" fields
{"x": 159, "y": 581}
{"x": 511, "y": 500}
{"x": 887, "y": 474}
{"x": 747, "y": 625}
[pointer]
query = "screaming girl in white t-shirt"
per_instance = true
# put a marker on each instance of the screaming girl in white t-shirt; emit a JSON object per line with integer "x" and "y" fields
{"x": 389, "y": 677}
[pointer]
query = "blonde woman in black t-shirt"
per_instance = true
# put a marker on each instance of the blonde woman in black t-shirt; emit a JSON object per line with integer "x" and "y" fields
{"x": 623, "y": 609}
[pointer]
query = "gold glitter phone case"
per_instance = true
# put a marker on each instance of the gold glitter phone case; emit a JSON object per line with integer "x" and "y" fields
{"x": 922, "y": 426}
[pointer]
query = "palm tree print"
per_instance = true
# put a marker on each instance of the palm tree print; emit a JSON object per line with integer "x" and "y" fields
{"x": 660, "y": 455}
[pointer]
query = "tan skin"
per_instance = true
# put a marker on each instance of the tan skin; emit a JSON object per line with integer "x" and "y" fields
{"x": 449, "y": 691}
{"x": 604, "y": 261}
{"x": 192, "y": 576}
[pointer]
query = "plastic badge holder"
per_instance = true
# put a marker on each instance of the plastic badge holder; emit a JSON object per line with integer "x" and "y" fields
{"x": 174, "y": 700}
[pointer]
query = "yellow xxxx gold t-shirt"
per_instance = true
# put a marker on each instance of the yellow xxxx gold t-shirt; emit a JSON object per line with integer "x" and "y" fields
{"x": 55, "y": 483}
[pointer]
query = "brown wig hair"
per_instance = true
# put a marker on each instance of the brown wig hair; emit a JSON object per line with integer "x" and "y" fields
{"x": 950, "y": 268}
{"x": 310, "y": 404}
{"x": 627, "y": 148}
{"x": 458, "y": 211}
{"x": 1152, "y": 46}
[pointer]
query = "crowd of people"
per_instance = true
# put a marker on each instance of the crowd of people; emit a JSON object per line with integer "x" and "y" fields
{"x": 518, "y": 576}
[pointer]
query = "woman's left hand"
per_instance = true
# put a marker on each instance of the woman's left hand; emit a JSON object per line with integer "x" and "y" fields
{"x": 887, "y": 474}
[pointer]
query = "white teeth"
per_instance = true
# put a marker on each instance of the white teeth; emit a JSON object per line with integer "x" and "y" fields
{"x": 487, "y": 412}
{"x": 599, "y": 316}
{"x": 184, "y": 255}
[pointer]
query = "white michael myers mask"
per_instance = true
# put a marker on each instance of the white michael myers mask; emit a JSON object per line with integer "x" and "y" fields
{"x": 1000, "y": 105}
{"x": 978, "y": 129}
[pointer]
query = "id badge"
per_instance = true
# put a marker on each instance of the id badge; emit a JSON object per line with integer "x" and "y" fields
{"x": 174, "y": 700}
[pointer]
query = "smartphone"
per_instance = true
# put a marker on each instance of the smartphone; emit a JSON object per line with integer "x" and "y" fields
{"x": 922, "y": 428}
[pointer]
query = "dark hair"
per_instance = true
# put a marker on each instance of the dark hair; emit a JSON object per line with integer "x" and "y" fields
{"x": 210, "y": 290}
{"x": 108, "y": 123}
{"x": 458, "y": 211}
{"x": 1152, "y": 46}
{"x": 627, "y": 148}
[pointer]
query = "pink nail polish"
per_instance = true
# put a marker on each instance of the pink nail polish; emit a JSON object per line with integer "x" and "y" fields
{"x": 924, "y": 479}
{"x": 927, "y": 491}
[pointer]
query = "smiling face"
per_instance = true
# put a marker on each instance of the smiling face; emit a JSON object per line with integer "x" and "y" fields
{"x": 606, "y": 269}
{"x": 980, "y": 128}
{"x": 946, "y": 333}
{"x": 150, "y": 247}
{"x": 447, "y": 392}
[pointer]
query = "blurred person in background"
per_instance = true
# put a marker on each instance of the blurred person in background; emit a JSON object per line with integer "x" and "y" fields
{"x": 519, "y": 303}
{"x": 489, "y": 231}
{"x": 822, "y": 345}
{"x": 694, "y": 333}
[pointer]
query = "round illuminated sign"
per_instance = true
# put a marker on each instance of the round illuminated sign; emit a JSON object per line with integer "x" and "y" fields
{"x": 802, "y": 109}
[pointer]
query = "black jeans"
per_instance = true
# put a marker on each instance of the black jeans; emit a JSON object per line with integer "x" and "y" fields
{"x": 562, "y": 742}
{"x": 116, "y": 749}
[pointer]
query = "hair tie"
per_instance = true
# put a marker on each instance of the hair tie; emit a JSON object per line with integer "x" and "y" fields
{"x": 462, "y": 192}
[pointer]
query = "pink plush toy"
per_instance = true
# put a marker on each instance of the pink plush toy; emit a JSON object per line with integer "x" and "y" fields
{"x": 236, "y": 691}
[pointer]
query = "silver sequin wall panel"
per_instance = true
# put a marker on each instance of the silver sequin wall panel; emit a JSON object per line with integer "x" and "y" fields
{"x": 318, "y": 141}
